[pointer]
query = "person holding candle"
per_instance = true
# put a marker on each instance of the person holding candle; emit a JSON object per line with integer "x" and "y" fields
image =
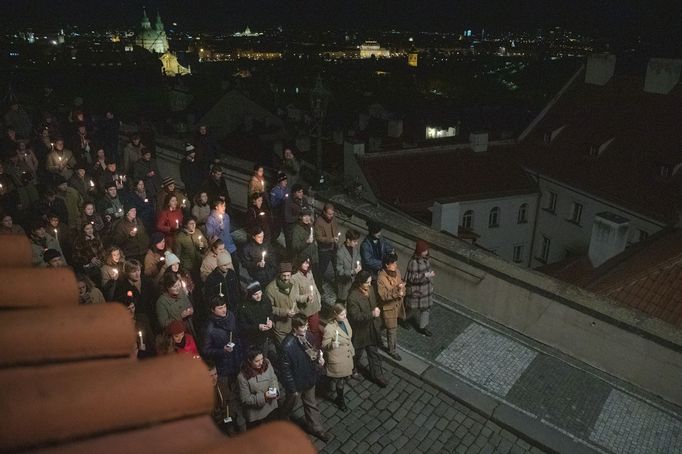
{"x": 134, "y": 287}
{"x": 293, "y": 205}
{"x": 82, "y": 182}
{"x": 327, "y": 236}
{"x": 60, "y": 161}
{"x": 147, "y": 169}
{"x": 308, "y": 298}
{"x": 223, "y": 279}
{"x": 364, "y": 315}
{"x": 347, "y": 264}
{"x": 300, "y": 361}
{"x": 87, "y": 252}
{"x": 255, "y": 319}
{"x": 174, "y": 304}
{"x": 72, "y": 201}
{"x": 391, "y": 290}
{"x": 259, "y": 258}
{"x": 258, "y": 387}
{"x": 169, "y": 220}
{"x": 340, "y": 351}
{"x": 201, "y": 210}
{"x": 303, "y": 245}
{"x": 215, "y": 186}
{"x": 129, "y": 233}
{"x": 222, "y": 345}
{"x": 155, "y": 259}
{"x": 112, "y": 268}
{"x": 168, "y": 188}
{"x": 87, "y": 292}
{"x": 174, "y": 265}
{"x": 218, "y": 226}
{"x": 110, "y": 206}
{"x": 143, "y": 202}
{"x": 258, "y": 215}
{"x": 257, "y": 182}
{"x": 61, "y": 234}
{"x": 374, "y": 248}
{"x": 419, "y": 288}
{"x": 189, "y": 246}
{"x": 278, "y": 295}
{"x": 90, "y": 216}
{"x": 277, "y": 198}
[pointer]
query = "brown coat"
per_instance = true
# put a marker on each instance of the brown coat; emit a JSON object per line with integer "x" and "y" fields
{"x": 301, "y": 291}
{"x": 281, "y": 303}
{"x": 390, "y": 301}
{"x": 339, "y": 361}
{"x": 252, "y": 394}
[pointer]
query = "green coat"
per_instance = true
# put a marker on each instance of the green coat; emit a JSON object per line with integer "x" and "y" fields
{"x": 73, "y": 201}
{"x": 187, "y": 248}
{"x": 169, "y": 309}
{"x": 282, "y": 303}
{"x": 300, "y": 248}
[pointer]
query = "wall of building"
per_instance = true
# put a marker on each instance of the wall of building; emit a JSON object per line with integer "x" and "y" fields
{"x": 570, "y": 238}
{"x": 501, "y": 239}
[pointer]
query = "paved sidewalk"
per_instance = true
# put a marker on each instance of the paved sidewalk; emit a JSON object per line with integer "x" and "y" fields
{"x": 563, "y": 404}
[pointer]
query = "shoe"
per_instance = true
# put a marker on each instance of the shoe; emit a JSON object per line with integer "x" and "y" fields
{"x": 356, "y": 376}
{"x": 395, "y": 356}
{"x": 381, "y": 381}
{"x": 425, "y": 332}
{"x": 324, "y": 436}
{"x": 341, "y": 404}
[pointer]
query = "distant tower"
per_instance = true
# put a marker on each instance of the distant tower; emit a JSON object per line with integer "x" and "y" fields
{"x": 412, "y": 57}
{"x": 152, "y": 39}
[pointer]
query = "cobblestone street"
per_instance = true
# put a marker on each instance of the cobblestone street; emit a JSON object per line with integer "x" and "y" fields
{"x": 410, "y": 416}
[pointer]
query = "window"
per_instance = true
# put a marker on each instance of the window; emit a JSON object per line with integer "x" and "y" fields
{"x": 576, "y": 212}
{"x": 523, "y": 214}
{"x": 643, "y": 235}
{"x": 518, "y": 253}
{"x": 551, "y": 202}
{"x": 544, "y": 252}
{"x": 494, "y": 218}
{"x": 468, "y": 219}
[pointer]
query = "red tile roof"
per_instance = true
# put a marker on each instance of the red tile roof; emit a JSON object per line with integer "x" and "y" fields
{"x": 413, "y": 181}
{"x": 646, "y": 132}
{"x": 646, "y": 277}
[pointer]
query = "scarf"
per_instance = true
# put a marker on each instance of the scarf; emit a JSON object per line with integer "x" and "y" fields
{"x": 391, "y": 273}
{"x": 311, "y": 351}
{"x": 284, "y": 287}
{"x": 250, "y": 372}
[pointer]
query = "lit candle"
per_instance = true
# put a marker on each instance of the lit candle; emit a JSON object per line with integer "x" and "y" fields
{"x": 286, "y": 196}
{"x": 357, "y": 263}
{"x": 0, "y": 186}
{"x": 221, "y": 290}
{"x": 60, "y": 159}
{"x": 55, "y": 231}
{"x": 184, "y": 201}
{"x": 311, "y": 290}
{"x": 161, "y": 259}
{"x": 262, "y": 182}
{"x": 262, "y": 213}
{"x": 177, "y": 224}
{"x": 92, "y": 184}
{"x": 120, "y": 210}
{"x": 267, "y": 320}
{"x": 146, "y": 200}
{"x": 230, "y": 336}
{"x": 139, "y": 334}
{"x": 184, "y": 285}
{"x": 134, "y": 229}
{"x": 337, "y": 336}
{"x": 115, "y": 273}
{"x": 338, "y": 235}
{"x": 92, "y": 222}
{"x": 263, "y": 257}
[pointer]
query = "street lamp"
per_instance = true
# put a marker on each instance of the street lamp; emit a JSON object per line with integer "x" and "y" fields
{"x": 319, "y": 101}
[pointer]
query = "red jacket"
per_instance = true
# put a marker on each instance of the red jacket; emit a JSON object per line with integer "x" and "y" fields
{"x": 190, "y": 346}
{"x": 169, "y": 222}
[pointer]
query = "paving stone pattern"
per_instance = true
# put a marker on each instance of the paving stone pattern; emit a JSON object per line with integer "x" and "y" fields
{"x": 629, "y": 425}
{"x": 412, "y": 417}
{"x": 487, "y": 358}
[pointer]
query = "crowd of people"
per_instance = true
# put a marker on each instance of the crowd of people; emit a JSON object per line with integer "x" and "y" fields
{"x": 254, "y": 312}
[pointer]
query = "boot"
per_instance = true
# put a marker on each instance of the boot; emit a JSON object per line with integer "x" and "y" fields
{"x": 340, "y": 401}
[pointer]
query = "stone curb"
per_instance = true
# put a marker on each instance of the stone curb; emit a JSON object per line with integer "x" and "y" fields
{"x": 524, "y": 425}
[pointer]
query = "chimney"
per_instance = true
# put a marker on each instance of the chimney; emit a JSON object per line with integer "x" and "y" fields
{"x": 600, "y": 68}
{"x": 662, "y": 74}
{"x": 609, "y": 237}
{"x": 479, "y": 141}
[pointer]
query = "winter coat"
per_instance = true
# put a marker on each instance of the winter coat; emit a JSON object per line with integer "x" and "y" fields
{"x": 63, "y": 167}
{"x": 345, "y": 270}
{"x": 339, "y": 360}
{"x": 133, "y": 246}
{"x": 113, "y": 208}
{"x": 326, "y": 233}
{"x": 230, "y": 287}
{"x": 367, "y": 327}
{"x": 39, "y": 246}
{"x": 297, "y": 371}
{"x": 188, "y": 247}
{"x": 169, "y": 223}
{"x": 84, "y": 250}
{"x": 94, "y": 296}
{"x": 372, "y": 253}
{"x": 215, "y": 189}
{"x": 216, "y": 336}
{"x": 154, "y": 267}
{"x": 201, "y": 213}
{"x": 301, "y": 291}
{"x": 252, "y": 254}
{"x": 145, "y": 298}
{"x": 73, "y": 202}
{"x": 251, "y": 314}
{"x": 131, "y": 154}
{"x": 390, "y": 301}
{"x": 111, "y": 272}
{"x": 179, "y": 195}
{"x": 191, "y": 174}
{"x": 141, "y": 169}
{"x": 418, "y": 287}
{"x": 169, "y": 308}
{"x": 252, "y": 393}
{"x": 282, "y": 302}
{"x": 146, "y": 211}
{"x": 209, "y": 263}
{"x": 300, "y": 248}
{"x": 188, "y": 346}
{"x": 220, "y": 228}
{"x": 259, "y": 217}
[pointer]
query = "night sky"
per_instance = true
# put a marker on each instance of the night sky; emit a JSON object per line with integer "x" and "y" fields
{"x": 654, "y": 20}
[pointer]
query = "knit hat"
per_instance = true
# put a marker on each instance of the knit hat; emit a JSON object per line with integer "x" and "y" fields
{"x": 420, "y": 247}
{"x": 171, "y": 259}
{"x": 167, "y": 181}
{"x": 188, "y": 148}
{"x": 373, "y": 227}
{"x": 224, "y": 258}
{"x": 253, "y": 287}
{"x": 305, "y": 211}
{"x": 285, "y": 267}
{"x": 176, "y": 327}
{"x": 51, "y": 254}
{"x": 156, "y": 238}
{"x": 281, "y": 176}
